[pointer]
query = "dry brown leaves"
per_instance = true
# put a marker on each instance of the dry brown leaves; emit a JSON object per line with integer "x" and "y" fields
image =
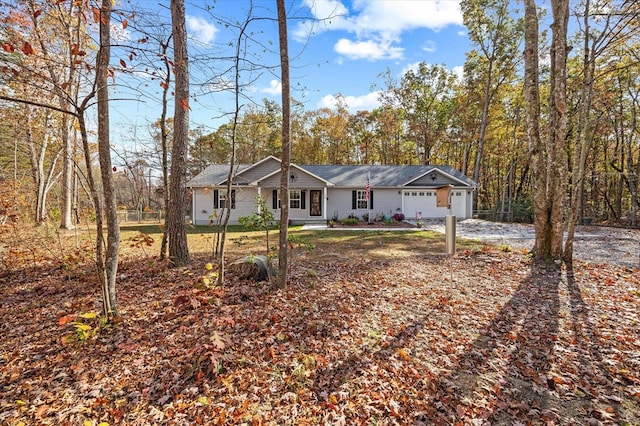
{"x": 484, "y": 338}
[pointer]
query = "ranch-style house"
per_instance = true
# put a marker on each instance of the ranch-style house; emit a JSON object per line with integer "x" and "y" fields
{"x": 318, "y": 193}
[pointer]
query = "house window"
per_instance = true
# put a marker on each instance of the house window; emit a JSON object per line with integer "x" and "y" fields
{"x": 361, "y": 200}
{"x": 295, "y": 198}
{"x": 220, "y": 199}
{"x": 414, "y": 194}
{"x": 421, "y": 194}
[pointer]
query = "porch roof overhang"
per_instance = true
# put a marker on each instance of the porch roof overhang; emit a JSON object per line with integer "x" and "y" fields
{"x": 439, "y": 172}
{"x": 298, "y": 168}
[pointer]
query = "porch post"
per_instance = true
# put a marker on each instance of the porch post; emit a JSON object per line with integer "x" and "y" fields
{"x": 193, "y": 207}
{"x": 324, "y": 203}
{"x": 259, "y": 192}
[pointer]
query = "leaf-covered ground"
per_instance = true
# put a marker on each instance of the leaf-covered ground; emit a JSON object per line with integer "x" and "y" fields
{"x": 385, "y": 332}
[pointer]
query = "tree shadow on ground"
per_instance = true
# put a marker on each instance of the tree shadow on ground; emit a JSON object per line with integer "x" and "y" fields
{"x": 519, "y": 368}
{"x": 506, "y": 372}
{"x": 511, "y": 371}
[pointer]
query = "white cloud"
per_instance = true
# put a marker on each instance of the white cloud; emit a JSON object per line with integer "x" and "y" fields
{"x": 429, "y": 46}
{"x": 415, "y": 66}
{"x": 377, "y": 24}
{"x": 200, "y": 29}
{"x": 326, "y": 15}
{"x": 459, "y": 72}
{"x": 354, "y": 104}
{"x": 119, "y": 34}
{"x": 275, "y": 88}
{"x": 369, "y": 50}
{"x": 381, "y": 16}
{"x": 402, "y": 15}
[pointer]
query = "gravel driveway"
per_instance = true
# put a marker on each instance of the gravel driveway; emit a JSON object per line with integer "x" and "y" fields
{"x": 598, "y": 244}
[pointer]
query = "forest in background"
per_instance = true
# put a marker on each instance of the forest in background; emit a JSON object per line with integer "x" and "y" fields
{"x": 474, "y": 122}
{"x": 374, "y": 326}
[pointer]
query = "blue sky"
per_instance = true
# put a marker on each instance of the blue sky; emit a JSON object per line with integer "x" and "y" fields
{"x": 341, "y": 47}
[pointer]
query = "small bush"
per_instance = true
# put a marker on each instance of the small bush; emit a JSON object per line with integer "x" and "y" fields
{"x": 349, "y": 221}
{"x": 399, "y": 217}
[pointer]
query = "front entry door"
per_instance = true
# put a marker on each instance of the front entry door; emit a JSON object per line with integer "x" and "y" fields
{"x": 315, "y": 205}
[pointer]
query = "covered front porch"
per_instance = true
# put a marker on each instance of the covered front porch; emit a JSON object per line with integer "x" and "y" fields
{"x": 306, "y": 205}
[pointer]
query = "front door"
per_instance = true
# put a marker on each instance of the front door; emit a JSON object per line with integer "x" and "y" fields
{"x": 315, "y": 206}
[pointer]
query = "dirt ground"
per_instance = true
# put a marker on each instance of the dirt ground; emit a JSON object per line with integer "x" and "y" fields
{"x": 372, "y": 328}
{"x": 596, "y": 244}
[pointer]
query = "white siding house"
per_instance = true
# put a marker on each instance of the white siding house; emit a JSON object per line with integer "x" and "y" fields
{"x": 322, "y": 192}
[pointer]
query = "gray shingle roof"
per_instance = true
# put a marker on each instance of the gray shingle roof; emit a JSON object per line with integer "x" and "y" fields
{"x": 342, "y": 176}
{"x": 213, "y": 175}
{"x": 381, "y": 176}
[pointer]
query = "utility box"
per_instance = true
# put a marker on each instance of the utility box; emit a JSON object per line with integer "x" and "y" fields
{"x": 450, "y": 234}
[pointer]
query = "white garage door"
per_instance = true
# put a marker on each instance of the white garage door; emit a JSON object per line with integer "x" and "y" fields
{"x": 423, "y": 202}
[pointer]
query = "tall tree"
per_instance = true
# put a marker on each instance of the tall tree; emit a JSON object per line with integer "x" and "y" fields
{"x": 221, "y": 240}
{"x": 283, "y": 255}
{"x": 52, "y": 39}
{"x": 104, "y": 154}
{"x": 493, "y": 29}
{"x": 164, "y": 141}
{"x": 614, "y": 27}
{"x": 65, "y": 85}
{"x": 37, "y": 138}
{"x": 425, "y": 97}
{"x": 548, "y": 157}
{"x": 176, "y": 231}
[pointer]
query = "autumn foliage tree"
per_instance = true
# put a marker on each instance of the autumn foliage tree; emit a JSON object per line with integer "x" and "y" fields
{"x": 548, "y": 154}
{"x": 44, "y": 54}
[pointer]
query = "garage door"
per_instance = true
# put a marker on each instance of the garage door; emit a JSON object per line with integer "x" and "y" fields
{"x": 420, "y": 201}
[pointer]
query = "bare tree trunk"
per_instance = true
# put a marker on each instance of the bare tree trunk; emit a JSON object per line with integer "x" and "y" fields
{"x": 104, "y": 153}
{"x": 583, "y": 145}
{"x": 632, "y": 175}
{"x": 42, "y": 179}
{"x": 71, "y": 31}
{"x": 537, "y": 151}
{"x": 283, "y": 256}
{"x": 178, "y": 249}
{"x": 557, "y": 181}
{"x": 66, "y": 221}
{"x": 548, "y": 160}
{"x": 488, "y": 95}
{"x": 226, "y": 209}
{"x": 165, "y": 147}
